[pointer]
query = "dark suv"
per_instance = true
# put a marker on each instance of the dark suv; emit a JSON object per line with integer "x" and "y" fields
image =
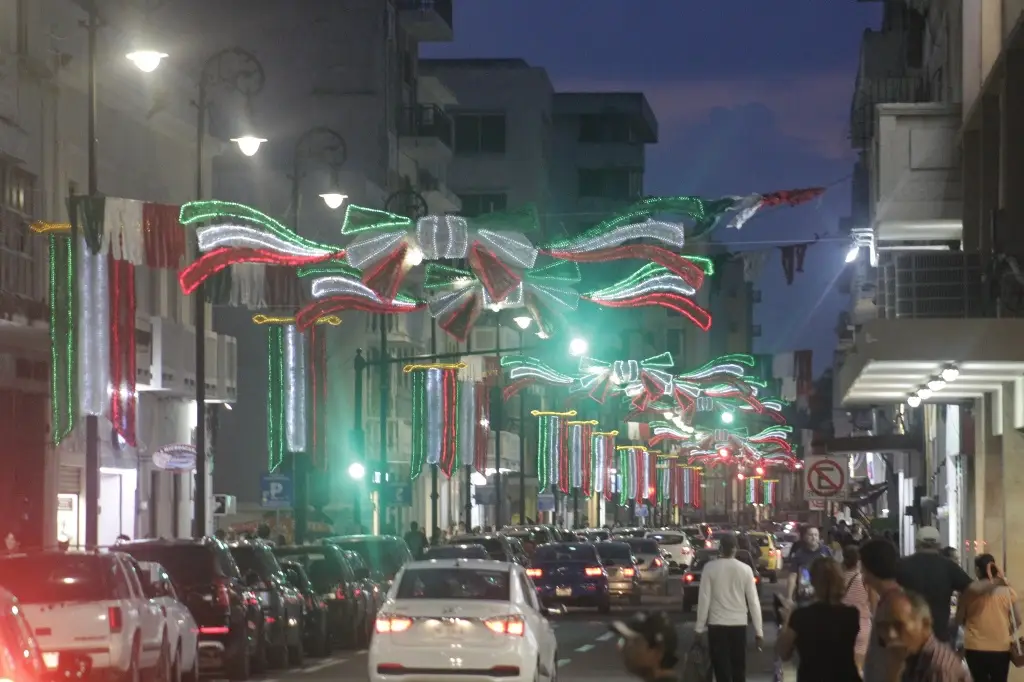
{"x": 349, "y": 607}
{"x": 282, "y": 604}
{"x": 384, "y": 554}
{"x": 231, "y": 624}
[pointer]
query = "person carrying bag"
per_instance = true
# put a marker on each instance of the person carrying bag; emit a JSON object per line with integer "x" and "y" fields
{"x": 990, "y": 621}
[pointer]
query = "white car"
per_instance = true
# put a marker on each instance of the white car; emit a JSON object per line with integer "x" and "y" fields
{"x": 90, "y": 608}
{"x": 182, "y": 631}
{"x": 678, "y": 547}
{"x": 470, "y": 618}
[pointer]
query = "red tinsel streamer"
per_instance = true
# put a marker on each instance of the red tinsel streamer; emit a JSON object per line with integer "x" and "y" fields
{"x": 681, "y": 304}
{"x": 586, "y": 459}
{"x": 387, "y": 275}
{"x": 332, "y": 305}
{"x": 652, "y": 477}
{"x": 791, "y": 197}
{"x": 696, "y": 492}
{"x": 318, "y": 381}
{"x": 121, "y": 277}
{"x": 450, "y": 415}
{"x": 214, "y": 261}
{"x": 691, "y": 273}
{"x": 163, "y": 235}
{"x": 608, "y": 465}
{"x": 513, "y": 389}
{"x": 498, "y": 279}
{"x": 483, "y": 429}
{"x": 563, "y": 461}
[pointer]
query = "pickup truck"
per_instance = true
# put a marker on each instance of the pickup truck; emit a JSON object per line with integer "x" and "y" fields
{"x": 90, "y": 607}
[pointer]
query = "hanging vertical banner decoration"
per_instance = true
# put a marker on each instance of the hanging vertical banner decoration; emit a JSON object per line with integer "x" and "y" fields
{"x": 296, "y": 393}
{"x": 552, "y": 449}
{"x": 435, "y": 416}
{"x": 474, "y": 424}
{"x": 769, "y": 491}
{"x": 691, "y": 479}
{"x": 63, "y": 374}
{"x": 753, "y": 490}
{"x": 123, "y": 398}
{"x": 275, "y": 397}
{"x": 581, "y": 444}
{"x": 319, "y": 398}
{"x": 483, "y": 427}
{"x": 93, "y": 296}
{"x": 664, "y": 481}
{"x": 634, "y": 471}
{"x": 602, "y": 451}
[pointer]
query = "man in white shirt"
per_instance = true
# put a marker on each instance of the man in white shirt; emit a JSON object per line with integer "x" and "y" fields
{"x": 727, "y": 594}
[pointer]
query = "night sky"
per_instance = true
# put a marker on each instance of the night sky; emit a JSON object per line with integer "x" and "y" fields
{"x": 753, "y": 96}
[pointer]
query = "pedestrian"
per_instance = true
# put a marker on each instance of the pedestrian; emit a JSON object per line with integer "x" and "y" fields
{"x": 913, "y": 653}
{"x": 727, "y": 595}
{"x": 823, "y": 633}
{"x": 879, "y": 561}
{"x": 857, "y": 595}
{"x": 415, "y": 540}
{"x": 649, "y": 646}
{"x": 986, "y": 610}
{"x": 799, "y": 591}
{"x": 934, "y": 577}
{"x": 11, "y": 544}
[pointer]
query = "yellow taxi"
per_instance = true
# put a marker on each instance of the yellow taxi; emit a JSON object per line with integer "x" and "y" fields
{"x": 770, "y": 561}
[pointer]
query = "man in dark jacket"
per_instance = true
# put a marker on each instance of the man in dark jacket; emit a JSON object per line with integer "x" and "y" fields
{"x": 798, "y": 585}
{"x": 934, "y": 577}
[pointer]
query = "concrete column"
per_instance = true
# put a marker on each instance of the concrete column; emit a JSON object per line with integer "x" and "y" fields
{"x": 970, "y": 164}
{"x": 1012, "y": 484}
{"x": 988, "y": 173}
{"x": 1012, "y": 153}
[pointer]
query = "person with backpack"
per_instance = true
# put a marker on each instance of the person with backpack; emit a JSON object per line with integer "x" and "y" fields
{"x": 857, "y": 595}
{"x": 799, "y": 590}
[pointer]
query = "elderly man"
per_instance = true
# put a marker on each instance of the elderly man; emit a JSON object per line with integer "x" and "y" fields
{"x": 934, "y": 577}
{"x": 913, "y": 653}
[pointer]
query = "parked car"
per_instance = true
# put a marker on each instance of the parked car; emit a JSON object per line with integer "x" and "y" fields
{"x": 498, "y": 547}
{"x": 384, "y": 554}
{"x": 676, "y": 546}
{"x": 370, "y": 585}
{"x": 460, "y": 551}
{"x": 181, "y": 628}
{"x": 315, "y": 639}
{"x": 622, "y": 569}
{"x": 232, "y": 629}
{"x": 89, "y": 607}
{"x": 653, "y": 567}
{"x": 350, "y": 607}
{"x": 521, "y": 556}
{"x": 691, "y": 579}
{"x": 282, "y": 605}
{"x": 769, "y": 563}
{"x": 20, "y": 658}
{"x": 570, "y": 573}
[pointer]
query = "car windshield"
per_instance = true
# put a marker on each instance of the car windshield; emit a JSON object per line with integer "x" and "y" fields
{"x": 644, "y": 546}
{"x": 460, "y": 583}
{"x": 616, "y": 551}
{"x": 560, "y": 552}
{"x": 671, "y": 539}
{"x": 378, "y": 553}
{"x": 50, "y": 578}
{"x": 495, "y": 547}
{"x": 188, "y": 565}
{"x": 256, "y": 559}
{"x": 456, "y": 552}
{"x": 535, "y": 538}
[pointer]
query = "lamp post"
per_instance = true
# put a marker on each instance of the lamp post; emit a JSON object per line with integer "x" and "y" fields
{"x": 523, "y": 322}
{"x": 328, "y": 145}
{"x": 240, "y": 71}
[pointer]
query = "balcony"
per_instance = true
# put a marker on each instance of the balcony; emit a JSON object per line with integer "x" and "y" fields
{"x": 429, "y": 21}
{"x": 425, "y": 134}
{"x": 440, "y": 199}
{"x": 916, "y": 189}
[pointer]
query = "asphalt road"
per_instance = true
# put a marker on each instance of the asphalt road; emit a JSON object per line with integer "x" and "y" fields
{"x": 587, "y": 650}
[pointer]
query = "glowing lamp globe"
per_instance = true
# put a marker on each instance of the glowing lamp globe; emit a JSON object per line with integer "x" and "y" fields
{"x": 334, "y": 200}
{"x": 146, "y": 61}
{"x": 248, "y": 144}
{"x": 523, "y": 322}
{"x": 356, "y": 471}
{"x": 760, "y": 471}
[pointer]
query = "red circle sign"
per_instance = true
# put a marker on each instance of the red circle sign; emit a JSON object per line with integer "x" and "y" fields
{"x": 826, "y": 478}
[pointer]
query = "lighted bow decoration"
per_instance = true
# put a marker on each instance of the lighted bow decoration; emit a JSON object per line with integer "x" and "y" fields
{"x": 387, "y": 245}
{"x": 240, "y": 234}
{"x": 336, "y": 287}
{"x": 655, "y": 285}
{"x": 524, "y": 371}
{"x": 724, "y": 446}
{"x": 641, "y": 380}
{"x": 459, "y": 296}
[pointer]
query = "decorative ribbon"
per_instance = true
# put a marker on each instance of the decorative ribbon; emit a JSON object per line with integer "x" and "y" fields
{"x": 93, "y": 294}
{"x": 552, "y": 450}
{"x": 769, "y": 491}
{"x": 123, "y": 397}
{"x": 603, "y": 459}
{"x": 580, "y": 455}
{"x": 691, "y": 480}
{"x": 644, "y": 381}
{"x": 63, "y": 350}
{"x": 296, "y": 394}
{"x": 318, "y": 374}
{"x": 655, "y": 285}
{"x": 339, "y": 292}
{"x": 633, "y": 469}
{"x": 474, "y": 424}
{"x": 435, "y": 416}
{"x": 525, "y": 371}
{"x": 275, "y": 397}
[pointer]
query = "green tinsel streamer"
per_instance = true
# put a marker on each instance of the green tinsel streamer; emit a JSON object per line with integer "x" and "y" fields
{"x": 544, "y": 452}
{"x": 87, "y": 214}
{"x": 62, "y": 337}
{"x": 275, "y": 397}
{"x": 419, "y": 428}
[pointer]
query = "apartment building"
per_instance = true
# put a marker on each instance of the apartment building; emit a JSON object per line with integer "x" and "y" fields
{"x": 43, "y": 138}
{"x": 929, "y": 364}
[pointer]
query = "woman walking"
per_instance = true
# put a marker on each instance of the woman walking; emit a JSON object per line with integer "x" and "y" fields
{"x": 824, "y": 633}
{"x": 985, "y": 611}
{"x": 859, "y": 597}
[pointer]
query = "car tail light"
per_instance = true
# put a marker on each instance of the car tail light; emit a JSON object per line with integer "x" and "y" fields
{"x": 709, "y": 544}
{"x": 215, "y": 630}
{"x": 688, "y": 578}
{"x": 628, "y": 572}
{"x": 757, "y": 579}
{"x": 309, "y": 602}
{"x": 392, "y": 624}
{"x": 114, "y": 619}
{"x": 534, "y": 572}
{"x": 339, "y": 593}
{"x": 593, "y": 571}
{"x": 223, "y": 596}
{"x": 656, "y": 563}
{"x": 358, "y": 592}
{"x": 513, "y": 626}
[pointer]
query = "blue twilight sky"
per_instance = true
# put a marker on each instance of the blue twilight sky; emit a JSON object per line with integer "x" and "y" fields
{"x": 751, "y": 96}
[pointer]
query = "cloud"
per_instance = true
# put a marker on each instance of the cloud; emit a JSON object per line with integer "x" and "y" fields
{"x": 813, "y": 109}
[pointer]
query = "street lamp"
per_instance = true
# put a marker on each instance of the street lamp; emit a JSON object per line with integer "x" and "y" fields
{"x": 578, "y": 347}
{"x": 318, "y": 144}
{"x": 146, "y": 61}
{"x": 523, "y": 322}
{"x": 727, "y": 418}
{"x": 356, "y": 471}
{"x": 334, "y": 200}
{"x": 248, "y": 144}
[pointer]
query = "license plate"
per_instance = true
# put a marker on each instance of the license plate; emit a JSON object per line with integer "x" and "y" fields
{"x": 563, "y": 591}
{"x": 51, "y": 659}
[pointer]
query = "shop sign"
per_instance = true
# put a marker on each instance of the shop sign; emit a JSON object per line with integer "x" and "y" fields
{"x": 179, "y": 457}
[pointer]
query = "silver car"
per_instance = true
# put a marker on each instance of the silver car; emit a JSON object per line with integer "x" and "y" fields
{"x": 623, "y": 572}
{"x": 653, "y": 567}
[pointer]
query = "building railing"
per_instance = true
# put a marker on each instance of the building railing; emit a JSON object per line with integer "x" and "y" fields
{"x": 426, "y": 120}
{"x": 930, "y": 284}
{"x": 443, "y": 8}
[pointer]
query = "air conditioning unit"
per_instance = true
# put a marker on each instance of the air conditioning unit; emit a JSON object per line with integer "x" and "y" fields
{"x": 173, "y": 357}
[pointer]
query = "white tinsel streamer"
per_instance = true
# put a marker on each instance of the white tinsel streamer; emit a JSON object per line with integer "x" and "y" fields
{"x": 122, "y": 231}
{"x": 336, "y": 285}
{"x": 245, "y": 237}
{"x": 645, "y": 473}
{"x": 443, "y": 237}
{"x": 365, "y": 251}
{"x": 468, "y": 421}
{"x": 248, "y": 285}
{"x": 665, "y": 283}
{"x": 576, "y": 454}
{"x": 554, "y": 462}
{"x": 672, "y": 234}
{"x": 296, "y": 396}
{"x": 545, "y": 375}
{"x": 511, "y": 247}
{"x": 93, "y": 332}
{"x": 434, "y": 405}
{"x": 745, "y": 209}
{"x": 599, "y": 455}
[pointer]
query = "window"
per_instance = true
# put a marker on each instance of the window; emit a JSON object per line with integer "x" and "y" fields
{"x": 474, "y": 205}
{"x": 21, "y": 187}
{"x": 610, "y": 183}
{"x": 606, "y": 128}
{"x": 463, "y": 583}
{"x": 479, "y": 133}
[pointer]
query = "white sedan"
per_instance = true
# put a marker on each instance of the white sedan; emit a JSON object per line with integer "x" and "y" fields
{"x": 474, "y": 618}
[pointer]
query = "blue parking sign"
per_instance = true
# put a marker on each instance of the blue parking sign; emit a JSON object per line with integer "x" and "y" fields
{"x": 276, "y": 491}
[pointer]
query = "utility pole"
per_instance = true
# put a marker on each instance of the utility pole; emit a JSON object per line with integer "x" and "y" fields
{"x": 92, "y": 423}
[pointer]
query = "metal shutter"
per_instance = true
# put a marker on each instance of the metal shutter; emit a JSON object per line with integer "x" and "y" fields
{"x": 69, "y": 481}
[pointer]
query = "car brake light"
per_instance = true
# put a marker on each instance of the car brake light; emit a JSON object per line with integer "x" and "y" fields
{"x": 513, "y": 626}
{"x": 593, "y": 571}
{"x": 339, "y": 593}
{"x": 757, "y": 579}
{"x": 215, "y": 630}
{"x": 688, "y": 578}
{"x": 656, "y": 563}
{"x": 534, "y": 572}
{"x": 708, "y": 544}
{"x": 114, "y": 619}
{"x": 223, "y": 597}
{"x": 392, "y": 624}
{"x": 628, "y": 572}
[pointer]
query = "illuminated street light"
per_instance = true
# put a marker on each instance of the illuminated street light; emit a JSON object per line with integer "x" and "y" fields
{"x": 852, "y": 254}
{"x": 727, "y": 417}
{"x": 146, "y": 61}
{"x": 523, "y": 322}
{"x": 356, "y": 471}
{"x": 334, "y": 200}
{"x": 578, "y": 347}
{"x": 248, "y": 144}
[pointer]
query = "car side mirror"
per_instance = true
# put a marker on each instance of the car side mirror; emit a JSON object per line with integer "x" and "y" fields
{"x": 554, "y": 610}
